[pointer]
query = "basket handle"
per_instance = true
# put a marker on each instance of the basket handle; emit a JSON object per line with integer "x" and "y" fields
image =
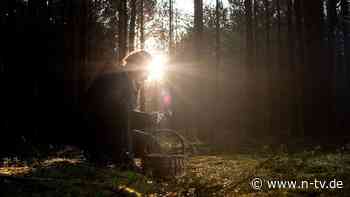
{"x": 173, "y": 132}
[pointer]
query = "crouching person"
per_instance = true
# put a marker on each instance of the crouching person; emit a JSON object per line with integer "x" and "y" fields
{"x": 108, "y": 105}
{"x": 143, "y": 144}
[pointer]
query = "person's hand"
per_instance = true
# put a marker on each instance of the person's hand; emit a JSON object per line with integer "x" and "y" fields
{"x": 157, "y": 117}
{"x": 154, "y": 118}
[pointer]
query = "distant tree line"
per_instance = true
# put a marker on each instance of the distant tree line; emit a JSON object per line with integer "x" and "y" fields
{"x": 283, "y": 69}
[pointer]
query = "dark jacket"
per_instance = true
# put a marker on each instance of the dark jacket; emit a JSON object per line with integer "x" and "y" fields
{"x": 107, "y": 104}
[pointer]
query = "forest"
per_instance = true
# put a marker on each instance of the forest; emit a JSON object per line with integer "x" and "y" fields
{"x": 255, "y": 88}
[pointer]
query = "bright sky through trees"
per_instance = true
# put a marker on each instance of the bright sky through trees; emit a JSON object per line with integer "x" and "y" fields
{"x": 187, "y": 5}
{"x": 154, "y": 43}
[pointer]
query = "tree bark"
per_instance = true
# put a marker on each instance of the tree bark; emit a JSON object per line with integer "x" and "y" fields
{"x": 345, "y": 4}
{"x": 132, "y": 26}
{"x": 255, "y": 41}
{"x": 300, "y": 63}
{"x": 142, "y": 45}
{"x": 291, "y": 38}
{"x": 171, "y": 27}
{"x": 316, "y": 73}
{"x": 216, "y": 94}
{"x": 249, "y": 33}
{"x": 332, "y": 22}
{"x": 292, "y": 72}
{"x": 249, "y": 117}
{"x": 198, "y": 26}
{"x": 122, "y": 29}
{"x": 279, "y": 41}
{"x": 332, "y": 56}
{"x": 198, "y": 52}
{"x": 142, "y": 28}
{"x": 267, "y": 32}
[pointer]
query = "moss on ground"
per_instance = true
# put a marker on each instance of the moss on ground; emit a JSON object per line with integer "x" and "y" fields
{"x": 207, "y": 175}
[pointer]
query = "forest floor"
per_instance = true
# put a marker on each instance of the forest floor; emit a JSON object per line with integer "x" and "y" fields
{"x": 227, "y": 174}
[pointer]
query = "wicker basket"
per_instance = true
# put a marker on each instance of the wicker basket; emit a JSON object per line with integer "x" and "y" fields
{"x": 165, "y": 165}
{"x": 170, "y": 162}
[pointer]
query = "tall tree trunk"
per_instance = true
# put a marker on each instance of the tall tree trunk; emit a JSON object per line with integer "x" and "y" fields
{"x": 198, "y": 33}
{"x": 249, "y": 33}
{"x": 291, "y": 38}
{"x": 216, "y": 94}
{"x": 332, "y": 22}
{"x": 268, "y": 75}
{"x": 279, "y": 41}
{"x": 292, "y": 72}
{"x": 76, "y": 48}
{"x": 298, "y": 7}
{"x": 249, "y": 63}
{"x": 255, "y": 41}
{"x": 198, "y": 25}
{"x": 317, "y": 74}
{"x": 300, "y": 63}
{"x": 345, "y": 4}
{"x": 255, "y": 75}
{"x": 84, "y": 47}
{"x": 332, "y": 55}
{"x": 122, "y": 29}
{"x": 142, "y": 28}
{"x": 142, "y": 46}
{"x": 132, "y": 25}
{"x": 171, "y": 27}
{"x": 267, "y": 32}
{"x": 279, "y": 73}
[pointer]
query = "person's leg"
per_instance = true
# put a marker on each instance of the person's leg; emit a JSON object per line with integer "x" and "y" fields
{"x": 122, "y": 145}
{"x": 144, "y": 143}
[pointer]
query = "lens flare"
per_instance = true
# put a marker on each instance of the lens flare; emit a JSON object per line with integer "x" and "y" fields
{"x": 156, "y": 69}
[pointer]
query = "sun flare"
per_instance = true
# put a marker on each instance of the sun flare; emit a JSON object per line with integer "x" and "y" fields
{"x": 156, "y": 69}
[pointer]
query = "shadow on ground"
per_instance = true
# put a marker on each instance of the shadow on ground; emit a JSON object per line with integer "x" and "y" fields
{"x": 206, "y": 175}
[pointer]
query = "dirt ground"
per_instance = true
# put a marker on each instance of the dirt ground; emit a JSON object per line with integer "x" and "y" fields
{"x": 206, "y": 175}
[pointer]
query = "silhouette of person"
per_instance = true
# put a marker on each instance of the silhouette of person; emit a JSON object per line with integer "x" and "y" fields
{"x": 108, "y": 104}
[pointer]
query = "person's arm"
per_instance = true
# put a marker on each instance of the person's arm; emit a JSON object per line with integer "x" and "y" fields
{"x": 140, "y": 120}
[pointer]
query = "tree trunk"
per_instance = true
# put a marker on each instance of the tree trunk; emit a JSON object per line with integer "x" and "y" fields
{"x": 249, "y": 33}
{"x": 292, "y": 72}
{"x": 198, "y": 34}
{"x": 198, "y": 26}
{"x": 76, "y": 48}
{"x": 345, "y": 4}
{"x": 142, "y": 43}
{"x": 291, "y": 38}
{"x": 215, "y": 97}
{"x": 132, "y": 26}
{"x": 142, "y": 28}
{"x": 316, "y": 73}
{"x": 332, "y": 55}
{"x": 255, "y": 41}
{"x": 122, "y": 29}
{"x": 332, "y": 22}
{"x": 248, "y": 114}
{"x": 267, "y": 32}
{"x": 300, "y": 63}
{"x": 84, "y": 39}
{"x": 279, "y": 41}
{"x": 267, "y": 73}
{"x": 171, "y": 28}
